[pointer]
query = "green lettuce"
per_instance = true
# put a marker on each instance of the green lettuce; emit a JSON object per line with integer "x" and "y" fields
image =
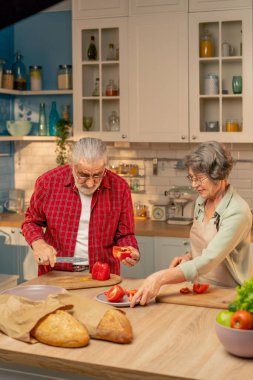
{"x": 244, "y": 296}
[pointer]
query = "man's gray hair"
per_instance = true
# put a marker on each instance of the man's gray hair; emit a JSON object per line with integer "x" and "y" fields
{"x": 89, "y": 149}
{"x": 210, "y": 158}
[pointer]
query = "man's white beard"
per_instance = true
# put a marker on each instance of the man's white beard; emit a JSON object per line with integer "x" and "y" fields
{"x": 85, "y": 190}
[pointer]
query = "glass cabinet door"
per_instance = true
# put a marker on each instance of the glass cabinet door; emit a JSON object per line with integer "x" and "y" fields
{"x": 100, "y": 80}
{"x": 221, "y": 76}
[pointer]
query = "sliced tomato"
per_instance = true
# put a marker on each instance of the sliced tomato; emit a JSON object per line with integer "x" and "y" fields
{"x": 121, "y": 253}
{"x": 200, "y": 288}
{"x": 130, "y": 293}
{"x": 115, "y": 293}
{"x": 242, "y": 319}
{"x": 185, "y": 290}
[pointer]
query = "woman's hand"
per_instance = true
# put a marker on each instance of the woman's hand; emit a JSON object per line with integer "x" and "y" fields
{"x": 180, "y": 259}
{"x": 44, "y": 253}
{"x": 149, "y": 289}
{"x": 134, "y": 259}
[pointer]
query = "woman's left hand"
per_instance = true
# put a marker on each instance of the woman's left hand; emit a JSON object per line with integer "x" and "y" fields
{"x": 134, "y": 259}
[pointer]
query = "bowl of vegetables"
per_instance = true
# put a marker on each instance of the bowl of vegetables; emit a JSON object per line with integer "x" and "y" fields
{"x": 234, "y": 327}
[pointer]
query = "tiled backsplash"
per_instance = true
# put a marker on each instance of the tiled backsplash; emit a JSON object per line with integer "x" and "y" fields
{"x": 33, "y": 159}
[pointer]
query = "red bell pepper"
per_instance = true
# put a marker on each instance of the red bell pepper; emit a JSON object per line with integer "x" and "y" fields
{"x": 100, "y": 271}
{"x": 115, "y": 293}
{"x": 200, "y": 288}
{"x": 121, "y": 253}
{"x": 185, "y": 290}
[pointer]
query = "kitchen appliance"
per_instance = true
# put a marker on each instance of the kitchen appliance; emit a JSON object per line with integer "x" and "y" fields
{"x": 159, "y": 212}
{"x": 181, "y": 204}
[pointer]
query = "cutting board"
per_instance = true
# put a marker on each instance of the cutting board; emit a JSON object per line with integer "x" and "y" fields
{"x": 75, "y": 280}
{"x": 218, "y": 298}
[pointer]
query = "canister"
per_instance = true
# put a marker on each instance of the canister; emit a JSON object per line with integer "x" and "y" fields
{"x": 211, "y": 84}
{"x": 64, "y": 77}
{"x": 35, "y": 78}
{"x": 8, "y": 79}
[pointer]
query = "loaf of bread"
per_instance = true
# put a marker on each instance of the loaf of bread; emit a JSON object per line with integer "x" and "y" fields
{"x": 61, "y": 329}
{"x": 114, "y": 327}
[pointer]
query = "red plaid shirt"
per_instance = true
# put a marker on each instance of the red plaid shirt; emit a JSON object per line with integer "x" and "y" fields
{"x": 54, "y": 214}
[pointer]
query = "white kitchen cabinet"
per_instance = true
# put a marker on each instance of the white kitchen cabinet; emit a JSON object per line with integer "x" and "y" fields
{"x": 232, "y": 112}
{"x": 85, "y": 72}
{"x": 146, "y": 264}
{"x": 15, "y": 255}
{"x": 214, "y": 5}
{"x": 167, "y": 248}
{"x": 83, "y": 9}
{"x": 158, "y": 87}
{"x": 153, "y": 6}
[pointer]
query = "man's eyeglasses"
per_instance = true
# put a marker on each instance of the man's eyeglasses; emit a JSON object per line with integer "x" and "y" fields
{"x": 86, "y": 177}
{"x": 196, "y": 180}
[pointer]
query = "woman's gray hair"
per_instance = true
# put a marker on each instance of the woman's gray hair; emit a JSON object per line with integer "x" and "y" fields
{"x": 210, "y": 158}
{"x": 89, "y": 149}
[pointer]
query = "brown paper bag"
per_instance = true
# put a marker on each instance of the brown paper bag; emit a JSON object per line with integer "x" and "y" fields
{"x": 19, "y": 315}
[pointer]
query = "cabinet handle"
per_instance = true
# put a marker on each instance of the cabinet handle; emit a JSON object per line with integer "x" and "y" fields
{"x": 124, "y": 136}
{"x": 183, "y": 137}
{"x": 194, "y": 137}
{"x": 185, "y": 243}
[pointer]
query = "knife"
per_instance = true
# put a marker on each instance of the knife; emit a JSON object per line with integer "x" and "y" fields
{"x": 66, "y": 259}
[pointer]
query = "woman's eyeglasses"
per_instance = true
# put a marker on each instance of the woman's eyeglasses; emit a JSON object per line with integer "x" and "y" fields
{"x": 196, "y": 180}
{"x": 86, "y": 177}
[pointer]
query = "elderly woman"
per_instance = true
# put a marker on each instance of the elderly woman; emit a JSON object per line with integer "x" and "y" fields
{"x": 221, "y": 231}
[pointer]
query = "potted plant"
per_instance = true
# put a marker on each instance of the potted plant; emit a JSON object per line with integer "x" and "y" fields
{"x": 63, "y": 129}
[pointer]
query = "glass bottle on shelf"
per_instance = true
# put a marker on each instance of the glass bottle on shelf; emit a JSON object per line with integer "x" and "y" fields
{"x": 113, "y": 121}
{"x": 42, "y": 120}
{"x": 19, "y": 72}
{"x": 96, "y": 88}
{"x": 92, "y": 50}
{"x": 206, "y": 48}
{"x": 35, "y": 78}
{"x": 53, "y": 120}
{"x": 111, "y": 89}
{"x": 111, "y": 52}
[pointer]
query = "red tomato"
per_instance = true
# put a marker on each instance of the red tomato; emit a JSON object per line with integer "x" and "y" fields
{"x": 121, "y": 253}
{"x": 242, "y": 319}
{"x": 100, "y": 271}
{"x": 185, "y": 290}
{"x": 200, "y": 288}
{"x": 115, "y": 293}
{"x": 130, "y": 293}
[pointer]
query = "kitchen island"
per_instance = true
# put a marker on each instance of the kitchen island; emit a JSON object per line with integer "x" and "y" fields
{"x": 170, "y": 342}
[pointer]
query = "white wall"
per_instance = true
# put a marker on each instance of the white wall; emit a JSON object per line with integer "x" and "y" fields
{"x": 32, "y": 159}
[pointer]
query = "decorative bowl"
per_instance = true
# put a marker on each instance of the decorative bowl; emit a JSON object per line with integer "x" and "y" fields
{"x": 19, "y": 127}
{"x": 236, "y": 341}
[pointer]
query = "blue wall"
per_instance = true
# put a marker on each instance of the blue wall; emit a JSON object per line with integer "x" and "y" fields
{"x": 43, "y": 39}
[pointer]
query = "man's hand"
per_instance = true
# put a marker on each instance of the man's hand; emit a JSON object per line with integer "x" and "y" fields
{"x": 44, "y": 253}
{"x": 134, "y": 259}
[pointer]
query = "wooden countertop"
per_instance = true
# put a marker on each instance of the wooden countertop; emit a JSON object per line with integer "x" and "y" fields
{"x": 142, "y": 227}
{"x": 170, "y": 341}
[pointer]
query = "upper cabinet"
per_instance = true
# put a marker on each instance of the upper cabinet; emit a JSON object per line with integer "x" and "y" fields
{"x": 100, "y": 78}
{"x": 218, "y": 5}
{"x": 220, "y": 75}
{"x": 158, "y": 60}
{"x": 84, "y": 9}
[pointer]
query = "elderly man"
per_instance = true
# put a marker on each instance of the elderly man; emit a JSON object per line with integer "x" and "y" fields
{"x": 81, "y": 210}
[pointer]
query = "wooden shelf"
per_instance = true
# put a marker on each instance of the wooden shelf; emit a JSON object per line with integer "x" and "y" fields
{"x": 40, "y": 93}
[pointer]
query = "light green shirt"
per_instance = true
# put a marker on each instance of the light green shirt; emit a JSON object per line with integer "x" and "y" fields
{"x": 231, "y": 243}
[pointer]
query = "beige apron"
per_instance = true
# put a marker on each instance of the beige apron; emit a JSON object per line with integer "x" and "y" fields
{"x": 201, "y": 234}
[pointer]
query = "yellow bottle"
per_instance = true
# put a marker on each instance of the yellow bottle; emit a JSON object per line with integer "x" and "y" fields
{"x": 206, "y": 47}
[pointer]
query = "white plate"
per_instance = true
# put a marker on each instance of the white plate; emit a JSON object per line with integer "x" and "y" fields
{"x": 101, "y": 297}
{"x": 34, "y": 292}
